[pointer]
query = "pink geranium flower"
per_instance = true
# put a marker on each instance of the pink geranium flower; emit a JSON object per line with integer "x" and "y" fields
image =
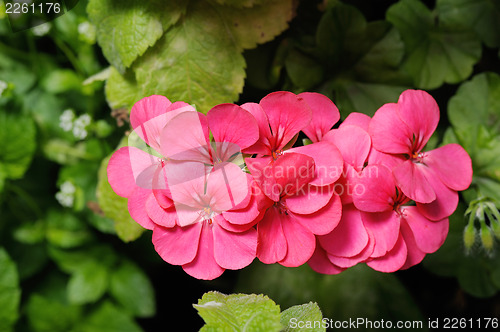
{"x": 296, "y": 181}
{"x": 430, "y": 178}
{"x": 402, "y": 234}
{"x": 205, "y": 243}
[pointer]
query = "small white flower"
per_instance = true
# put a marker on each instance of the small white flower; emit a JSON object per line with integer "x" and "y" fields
{"x": 66, "y": 120}
{"x": 87, "y": 31}
{"x": 79, "y": 126}
{"x": 66, "y": 195}
{"x": 3, "y": 86}
{"x": 42, "y": 29}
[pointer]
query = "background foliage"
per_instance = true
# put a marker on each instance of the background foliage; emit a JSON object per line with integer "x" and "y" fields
{"x": 72, "y": 259}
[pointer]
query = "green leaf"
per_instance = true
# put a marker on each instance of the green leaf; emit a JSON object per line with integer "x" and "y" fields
{"x": 238, "y": 312}
{"x": 10, "y": 293}
{"x": 181, "y": 64}
{"x": 72, "y": 261}
{"x": 182, "y": 68}
{"x": 131, "y": 288}
{"x": 88, "y": 284}
{"x": 481, "y": 16}
{"x": 435, "y": 53}
{"x": 61, "y": 80}
{"x": 357, "y": 292}
{"x": 305, "y": 317}
{"x": 115, "y": 207}
{"x": 126, "y": 29}
{"x": 65, "y": 230}
{"x": 360, "y": 59}
{"x": 109, "y": 318}
{"x": 46, "y": 315}
{"x": 18, "y": 134}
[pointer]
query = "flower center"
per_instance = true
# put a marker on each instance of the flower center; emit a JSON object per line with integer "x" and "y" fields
{"x": 282, "y": 208}
{"x": 207, "y": 214}
{"x": 277, "y": 153}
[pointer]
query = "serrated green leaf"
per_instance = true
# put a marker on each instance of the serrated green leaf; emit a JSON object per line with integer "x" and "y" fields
{"x": 304, "y": 317}
{"x": 481, "y": 16}
{"x": 261, "y": 23}
{"x": 10, "y": 293}
{"x": 436, "y": 54}
{"x": 126, "y": 29}
{"x": 131, "y": 288}
{"x": 88, "y": 284}
{"x": 239, "y": 312}
{"x": 18, "y": 133}
{"x": 115, "y": 207}
{"x": 182, "y": 67}
{"x": 109, "y": 318}
{"x": 46, "y": 315}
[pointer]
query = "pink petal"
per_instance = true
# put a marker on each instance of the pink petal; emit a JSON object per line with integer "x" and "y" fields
{"x": 353, "y": 143}
{"x": 389, "y": 132}
{"x": 145, "y": 110}
{"x": 160, "y": 216}
{"x": 323, "y": 221}
{"x": 414, "y": 254}
{"x": 242, "y": 214}
{"x": 283, "y": 176}
{"x": 324, "y": 115}
{"x": 186, "y": 138}
{"x": 446, "y": 199}
{"x": 204, "y": 266}
{"x": 263, "y": 144}
{"x": 149, "y": 115}
{"x": 349, "y": 238}
{"x": 187, "y": 215}
{"x": 357, "y": 119}
{"x": 385, "y": 229}
{"x": 186, "y": 181}
{"x": 410, "y": 178}
{"x": 300, "y": 243}
{"x": 136, "y": 205}
{"x": 320, "y": 263}
{"x": 309, "y": 199}
{"x": 429, "y": 235}
{"x": 393, "y": 260}
{"x": 452, "y": 164}
{"x": 376, "y": 190}
{"x": 234, "y": 250}
{"x": 177, "y": 245}
{"x": 288, "y": 115}
{"x": 346, "y": 262}
{"x": 226, "y": 187}
{"x": 231, "y": 123}
{"x": 271, "y": 242}
{"x": 420, "y": 112}
{"x": 124, "y": 166}
{"x": 388, "y": 160}
{"x": 327, "y": 160}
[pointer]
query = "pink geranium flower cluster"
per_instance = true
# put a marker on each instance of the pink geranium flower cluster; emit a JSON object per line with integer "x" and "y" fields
{"x": 221, "y": 189}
